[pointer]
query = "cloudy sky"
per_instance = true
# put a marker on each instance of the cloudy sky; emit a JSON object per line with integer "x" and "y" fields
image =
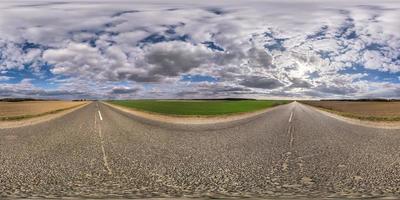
{"x": 200, "y": 49}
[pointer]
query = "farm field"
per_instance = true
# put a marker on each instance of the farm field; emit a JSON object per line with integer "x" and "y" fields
{"x": 27, "y": 109}
{"x": 364, "y": 110}
{"x": 198, "y": 107}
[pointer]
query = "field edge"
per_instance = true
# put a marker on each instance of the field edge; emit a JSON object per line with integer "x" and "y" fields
{"x": 356, "y": 121}
{"x": 24, "y": 117}
{"x": 356, "y": 116}
{"x": 205, "y": 116}
{"x": 190, "y": 120}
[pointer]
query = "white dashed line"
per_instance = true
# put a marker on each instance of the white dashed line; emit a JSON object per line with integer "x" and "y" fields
{"x": 105, "y": 160}
{"x": 101, "y": 118}
{"x": 291, "y": 139}
{"x": 290, "y": 118}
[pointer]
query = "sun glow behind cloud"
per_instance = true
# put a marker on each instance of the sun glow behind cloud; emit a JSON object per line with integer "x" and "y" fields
{"x": 176, "y": 49}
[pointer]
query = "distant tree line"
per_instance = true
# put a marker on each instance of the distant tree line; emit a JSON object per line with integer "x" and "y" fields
{"x": 370, "y": 99}
{"x": 32, "y": 99}
{"x": 222, "y": 99}
{"x": 20, "y": 99}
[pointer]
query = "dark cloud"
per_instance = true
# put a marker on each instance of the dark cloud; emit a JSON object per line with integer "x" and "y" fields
{"x": 174, "y": 58}
{"x": 129, "y": 75}
{"x": 217, "y": 11}
{"x": 183, "y": 94}
{"x": 336, "y": 89}
{"x": 300, "y": 83}
{"x": 41, "y": 93}
{"x": 118, "y": 14}
{"x": 214, "y": 90}
{"x": 42, "y": 4}
{"x": 261, "y": 82}
{"x": 124, "y": 90}
{"x": 259, "y": 58}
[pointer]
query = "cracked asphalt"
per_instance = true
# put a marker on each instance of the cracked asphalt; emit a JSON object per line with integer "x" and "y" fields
{"x": 293, "y": 151}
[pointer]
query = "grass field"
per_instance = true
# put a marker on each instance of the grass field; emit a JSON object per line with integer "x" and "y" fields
{"x": 364, "y": 110}
{"x": 198, "y": 108}
{"x": 28, "y": 109}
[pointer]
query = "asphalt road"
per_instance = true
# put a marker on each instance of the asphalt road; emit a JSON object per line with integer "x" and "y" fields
{"x": 291, "y": 151}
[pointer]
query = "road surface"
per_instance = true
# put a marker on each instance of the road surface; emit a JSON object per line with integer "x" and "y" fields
{"x": 291, "y": 151}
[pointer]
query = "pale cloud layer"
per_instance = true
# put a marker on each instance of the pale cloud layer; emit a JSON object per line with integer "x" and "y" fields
{"x": 200, "y": 49}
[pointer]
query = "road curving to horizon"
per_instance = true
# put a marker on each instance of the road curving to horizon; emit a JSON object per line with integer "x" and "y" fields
{"x": 291, "y": 151}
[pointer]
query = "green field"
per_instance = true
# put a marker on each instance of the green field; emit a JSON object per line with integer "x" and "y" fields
{"x": 198, "y": 108}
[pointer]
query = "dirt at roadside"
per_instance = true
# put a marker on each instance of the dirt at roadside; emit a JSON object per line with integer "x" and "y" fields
{"x": 31, "y": 108}
{"x": 40, "y": 119}
{"x": 192, "y": 119}
{"x": 371, "y": 124}
{"x": 360, "y": 108}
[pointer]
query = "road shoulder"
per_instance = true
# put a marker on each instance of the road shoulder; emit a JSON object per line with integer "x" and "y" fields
{"x": 39, "y": 119}
{"x": 354, "y": 121}
{"x": 195, "y": 120}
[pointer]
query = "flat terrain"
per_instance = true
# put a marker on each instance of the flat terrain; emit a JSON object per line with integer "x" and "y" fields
{"x": 292, "y": 151}
{"x": 26, "y": 109}
{"x": 198, "y": 108}
{"x": 371, "y": 110}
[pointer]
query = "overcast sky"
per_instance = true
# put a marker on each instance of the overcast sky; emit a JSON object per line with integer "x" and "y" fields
{"x": 200, "y": 49}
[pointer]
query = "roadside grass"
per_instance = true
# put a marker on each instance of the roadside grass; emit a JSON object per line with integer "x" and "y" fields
{"x": 198, "y": 107}
{"x": 22, "y": 117}
{"x": 365, "y": 117}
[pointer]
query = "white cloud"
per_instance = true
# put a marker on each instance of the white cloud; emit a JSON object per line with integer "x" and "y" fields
{"x": 287, "y": 48}
{"x": 5, "y": 78}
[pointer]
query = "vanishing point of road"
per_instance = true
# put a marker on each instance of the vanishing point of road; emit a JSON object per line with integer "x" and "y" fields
{"x": 291, "y": 151}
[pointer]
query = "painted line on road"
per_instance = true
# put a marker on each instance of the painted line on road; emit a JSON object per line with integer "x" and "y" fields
{"x": 290, "y": 118}
{"x": 291, "y": 140}
{"x": 290, "y": 130}
{"x": 101, "y": 118}
{"x": 105, "y": 160}
{"x": 291, "y": 136}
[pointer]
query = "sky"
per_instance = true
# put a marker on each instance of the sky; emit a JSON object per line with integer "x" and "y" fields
{"x": 270, "y": 49}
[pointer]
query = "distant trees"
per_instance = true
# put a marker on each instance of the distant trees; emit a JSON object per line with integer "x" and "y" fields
{"x": 371, "y": 99}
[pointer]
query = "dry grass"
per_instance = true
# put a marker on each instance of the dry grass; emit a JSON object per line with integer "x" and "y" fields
{"x": 374, "y": 111}
{"x": 27, "y": 109}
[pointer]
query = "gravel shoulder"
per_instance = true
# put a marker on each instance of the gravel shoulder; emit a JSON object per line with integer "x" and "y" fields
{"x": 355, "y": 121}
{"x": 39, "y": 119}
{"x": 193, "y": 120}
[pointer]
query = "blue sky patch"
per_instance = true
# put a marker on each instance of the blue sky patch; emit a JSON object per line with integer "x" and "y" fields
{"x": 213, "y": 46}
{"x": 168, "y": 36}
{"x": 38, "y": 79}
{"x": 372, "y": 75}
{"x": 274, "y": 43}
{"x": 319, "y": 35}
{"x": 346, "y": 31}
{"x": 198, "y": 78}
{"x": 374, "y": 47}
{"x": 217, "y": 11}
{"x": 118, "y": 14}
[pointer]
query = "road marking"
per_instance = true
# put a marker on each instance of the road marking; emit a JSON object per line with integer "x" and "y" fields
{"x": 101, "y": 118}
{"x": 105, "y": 160}
{"x": 290, "y": 118}
{"x": 291, "y": 136}
{"x": 291, "y": 140}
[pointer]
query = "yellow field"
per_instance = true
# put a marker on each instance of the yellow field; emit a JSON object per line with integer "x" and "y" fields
{"x": 365, "y": 110}
{"x": 24, "y": 109}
